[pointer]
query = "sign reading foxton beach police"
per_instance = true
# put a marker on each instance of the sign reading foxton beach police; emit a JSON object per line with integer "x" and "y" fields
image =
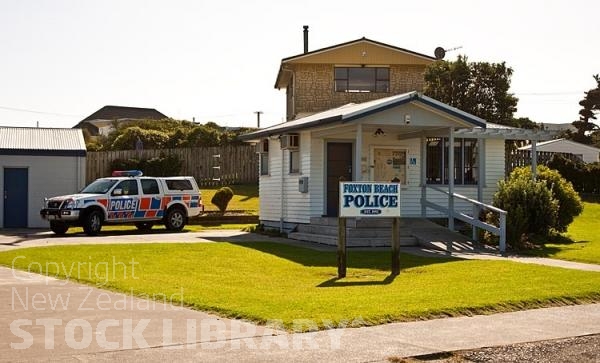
{"x": 369, "y": 199}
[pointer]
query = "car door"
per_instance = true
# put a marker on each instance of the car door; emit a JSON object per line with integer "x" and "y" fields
{"x": 124, "y": 200}
{"x": 150, "y": 200}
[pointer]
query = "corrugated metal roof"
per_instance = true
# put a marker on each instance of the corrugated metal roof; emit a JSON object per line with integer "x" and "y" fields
{"x": 29, "y": 138}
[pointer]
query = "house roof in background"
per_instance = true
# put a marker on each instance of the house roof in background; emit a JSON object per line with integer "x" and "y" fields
{"x": 124, "y": 112}
{"x": 41, "y": 141}
{"x": 560, "y": 127}
{"x": 560, "y": 141}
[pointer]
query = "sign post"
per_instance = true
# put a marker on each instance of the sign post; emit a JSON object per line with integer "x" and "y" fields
{"x": 341, "y": 248}
{"x": 396, "y": 246}
{"x": 369, "y": 199}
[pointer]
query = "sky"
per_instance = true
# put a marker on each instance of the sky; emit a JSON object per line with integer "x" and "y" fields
{"x": 61, "y": 60}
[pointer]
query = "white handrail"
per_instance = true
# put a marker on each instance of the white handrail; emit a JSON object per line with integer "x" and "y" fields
{"x": 473, "y": 201}
{"x": 474, "y": 220}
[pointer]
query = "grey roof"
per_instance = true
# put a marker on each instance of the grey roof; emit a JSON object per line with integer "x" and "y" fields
{"x": 363, "y": 39}
{"x": 353, "y": 111}
{"x": 560, "y": 141}
{"x": 41, "y": 141}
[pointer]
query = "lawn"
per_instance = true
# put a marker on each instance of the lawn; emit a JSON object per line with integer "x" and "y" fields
{"x": 583, "y": 240}
{"x": 245, "y": 198}
{"x": 269, "y": 281}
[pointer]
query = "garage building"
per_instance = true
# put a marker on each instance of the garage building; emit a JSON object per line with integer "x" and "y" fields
{"x": 36, "y": 163}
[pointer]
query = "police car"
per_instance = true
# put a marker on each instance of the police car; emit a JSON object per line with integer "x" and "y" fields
{"x": 126, "y": 197}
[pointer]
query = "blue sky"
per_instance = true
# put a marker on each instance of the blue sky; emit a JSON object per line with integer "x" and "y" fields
{"x": 61, "y": 60}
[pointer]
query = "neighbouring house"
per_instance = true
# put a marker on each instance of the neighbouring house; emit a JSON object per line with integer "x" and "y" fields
{"x": 101, "y": 122}
{"x": 36, "y": 163}
{"x": 356, "y": 113}
{"x": 567, "y": 126}
{"x": 585, "y": 153}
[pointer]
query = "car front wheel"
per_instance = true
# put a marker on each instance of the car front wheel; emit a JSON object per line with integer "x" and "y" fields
{"x": 59, "y": 228}
{"x": 92, "y": 223}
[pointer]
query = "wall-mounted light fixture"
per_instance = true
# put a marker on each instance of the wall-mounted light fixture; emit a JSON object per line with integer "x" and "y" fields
{"x": 379, "y": 133}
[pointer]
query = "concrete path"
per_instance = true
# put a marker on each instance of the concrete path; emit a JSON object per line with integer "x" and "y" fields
{"x": 487, "y": 255}
{"x": 45, "y": 319}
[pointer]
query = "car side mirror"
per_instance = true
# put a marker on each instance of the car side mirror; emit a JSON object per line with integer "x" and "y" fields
{"x": 117, "y": 192}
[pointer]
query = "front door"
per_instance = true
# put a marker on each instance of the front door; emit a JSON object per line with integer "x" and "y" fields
{"x": 15, "y": 197}
{"x": 339, "y": 168}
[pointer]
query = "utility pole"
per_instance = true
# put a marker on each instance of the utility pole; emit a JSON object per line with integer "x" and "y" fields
{"x": 258, "y": 118}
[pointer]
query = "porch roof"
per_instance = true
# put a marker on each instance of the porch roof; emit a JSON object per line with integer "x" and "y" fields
{"x": 351, "y": 112}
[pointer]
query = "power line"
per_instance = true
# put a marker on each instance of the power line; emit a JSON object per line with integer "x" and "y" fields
{"x": 38, "y": 112}
{"x": 547, "y": 93}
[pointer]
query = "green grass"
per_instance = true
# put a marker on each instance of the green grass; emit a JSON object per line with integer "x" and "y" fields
{"x": 268, "y": 281}
{"x": 245, "y": 198}
{"x": 582, "y": 242}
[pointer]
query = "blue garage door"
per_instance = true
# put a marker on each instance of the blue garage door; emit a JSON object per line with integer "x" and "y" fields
{"x": 15, "y": 197}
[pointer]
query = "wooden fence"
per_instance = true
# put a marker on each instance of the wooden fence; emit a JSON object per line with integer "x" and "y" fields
{"x": 517, "y": 158}
{"x": 211, "y": 166}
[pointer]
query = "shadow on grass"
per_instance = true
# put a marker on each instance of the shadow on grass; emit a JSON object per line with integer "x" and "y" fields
{"x": 590, "y": 198}
{"x": 337, "y": 282}
{"x": 375, "y": 260}
{"x": 542, "y": 249}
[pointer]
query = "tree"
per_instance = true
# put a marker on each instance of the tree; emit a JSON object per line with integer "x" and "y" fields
{"x": 479, "y": 88}
{"x": 151, "y": 139}
{"x": 590, "y": 105}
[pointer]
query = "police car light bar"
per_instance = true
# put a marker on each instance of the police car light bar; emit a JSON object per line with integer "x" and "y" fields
{"x": 131, "y": 173}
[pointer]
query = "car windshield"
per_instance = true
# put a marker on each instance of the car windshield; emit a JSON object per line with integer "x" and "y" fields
{"x": 100, "y": 186}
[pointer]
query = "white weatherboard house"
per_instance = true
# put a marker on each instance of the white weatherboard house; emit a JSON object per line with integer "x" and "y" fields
{"x": 355, "y": 112}
{"x": 586, "y": 153}
{"x": 36, "y": 163}
{"x": 403, "y": 138}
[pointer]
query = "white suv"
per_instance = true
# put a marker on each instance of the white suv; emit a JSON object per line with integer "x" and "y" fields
{"x": 127, "y": 197}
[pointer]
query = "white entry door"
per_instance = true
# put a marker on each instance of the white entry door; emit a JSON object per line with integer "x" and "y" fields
{"x": 389, "y": 165}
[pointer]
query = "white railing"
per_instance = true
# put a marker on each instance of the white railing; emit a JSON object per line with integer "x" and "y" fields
{"x": 473, "y": 220}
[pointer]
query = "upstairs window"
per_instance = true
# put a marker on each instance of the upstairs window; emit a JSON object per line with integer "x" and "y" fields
{"x": 362, "y": 79}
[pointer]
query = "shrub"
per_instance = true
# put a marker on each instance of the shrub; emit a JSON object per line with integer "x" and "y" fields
{"x": 530, "y": 206}
{"x": 221, "y": 198}
{"x": 584, "y": 177}
{"x": 151, "y": 139}
{"x": 569, "y": 202}
{"x": 158, "y": 166}
{"x": 161, "y": 166}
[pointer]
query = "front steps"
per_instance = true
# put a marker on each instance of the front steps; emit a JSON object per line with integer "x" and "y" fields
{"x": 361, "y": 232}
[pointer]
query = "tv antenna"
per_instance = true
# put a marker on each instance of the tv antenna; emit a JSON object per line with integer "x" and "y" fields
{"x": 440, "y": 52}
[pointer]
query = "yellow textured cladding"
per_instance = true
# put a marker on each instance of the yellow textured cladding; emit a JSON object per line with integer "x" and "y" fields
{"x": 363, "y": 52}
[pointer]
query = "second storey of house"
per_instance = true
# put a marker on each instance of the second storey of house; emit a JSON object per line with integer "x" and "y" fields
{"x": 352, "y": 72}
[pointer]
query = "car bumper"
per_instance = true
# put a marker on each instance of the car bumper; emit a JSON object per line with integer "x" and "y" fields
{"x": 66, "y": 215}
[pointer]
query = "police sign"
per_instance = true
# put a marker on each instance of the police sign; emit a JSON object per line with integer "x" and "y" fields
{"x": 369, "y": 199}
